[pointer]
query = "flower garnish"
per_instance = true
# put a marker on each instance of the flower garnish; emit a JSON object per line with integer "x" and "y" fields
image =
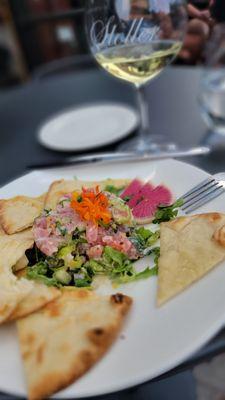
{"x": 92, "y": 205}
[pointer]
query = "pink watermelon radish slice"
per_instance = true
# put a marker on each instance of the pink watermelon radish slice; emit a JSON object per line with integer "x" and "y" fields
{"x": 132, "y": 189}
{"x": 145, "y": 198}
{"x": 144, "y": 192}
{"x": 145, "y": 210}
{"x": 161, "y": 195}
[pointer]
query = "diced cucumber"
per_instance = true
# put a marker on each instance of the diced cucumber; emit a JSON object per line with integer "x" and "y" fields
{"x": 62, "y": 276}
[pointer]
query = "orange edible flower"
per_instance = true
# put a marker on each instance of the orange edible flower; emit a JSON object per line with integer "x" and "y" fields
{"x": 91, "y": 205}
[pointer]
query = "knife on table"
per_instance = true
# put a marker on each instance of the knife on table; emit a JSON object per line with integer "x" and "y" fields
{"x": 123, "y": 156}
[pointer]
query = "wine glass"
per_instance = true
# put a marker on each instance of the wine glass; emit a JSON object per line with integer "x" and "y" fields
{"x": 212, "y": 87}
{"x": 135, "y": 40}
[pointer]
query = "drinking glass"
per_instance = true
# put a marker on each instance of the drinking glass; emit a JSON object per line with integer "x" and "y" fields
{"x": 212, "y": 87}
{"x": 135, "y": 40}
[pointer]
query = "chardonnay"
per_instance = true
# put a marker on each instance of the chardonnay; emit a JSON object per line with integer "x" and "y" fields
{"x": 138, "y": 63}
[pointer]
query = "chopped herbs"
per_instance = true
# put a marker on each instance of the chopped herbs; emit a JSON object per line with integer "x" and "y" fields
{"x": 127, "y": 198}
{"x": 166, "y": 213}
{"x": 61, "y": 228}
{"x": 47, "y": 212}
{"x": 63, "y": 201}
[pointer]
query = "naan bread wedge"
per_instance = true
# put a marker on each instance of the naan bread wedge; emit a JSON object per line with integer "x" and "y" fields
{"x": 189, "y": 248}
{"x": 58, "y": 188}
{"x": 18, "y": 213}
{"x": 66, "y": 338}
{"x": 12, "y": 289}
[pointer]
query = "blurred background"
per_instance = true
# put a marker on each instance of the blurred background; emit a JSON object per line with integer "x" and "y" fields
{"x": 40, "y": 38}
{"x": 37, "y": 36}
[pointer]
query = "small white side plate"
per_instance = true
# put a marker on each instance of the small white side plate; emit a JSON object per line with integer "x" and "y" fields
{"x": 88, "y": 127}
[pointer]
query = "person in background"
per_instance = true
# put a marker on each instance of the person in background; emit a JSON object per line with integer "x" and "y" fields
{"x": 217, "y": 9}
{"x": 197, "y": 34}
{"x": 194, "y": 12}
{"x": 7, "y": 75}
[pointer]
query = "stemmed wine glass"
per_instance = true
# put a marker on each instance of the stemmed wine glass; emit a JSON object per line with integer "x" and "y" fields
{"x": 212, "y": 88}
{"x": 135, "y": 40}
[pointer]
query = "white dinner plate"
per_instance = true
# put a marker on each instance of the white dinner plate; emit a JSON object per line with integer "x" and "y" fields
{"x": 88, "y": 127}
{"x": 153, "y": 339}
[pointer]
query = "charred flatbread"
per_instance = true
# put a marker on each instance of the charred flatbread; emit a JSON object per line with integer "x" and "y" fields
{"x": 63, "y": 340}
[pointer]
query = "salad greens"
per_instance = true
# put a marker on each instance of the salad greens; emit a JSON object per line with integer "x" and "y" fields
{"x": 113, "y": 189}
{"x": 39, "y": 272}
{"x": 146, "y": 273}
{"x": 67, "y": 267}
{"x": 166, "y": 213}
{"x": 143, "y": 239}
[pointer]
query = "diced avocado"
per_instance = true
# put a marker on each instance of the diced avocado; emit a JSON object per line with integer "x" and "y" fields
{"x": 76, "y": 263}
{"x": 121, "y": 212}
{"x": 62, "y": 276}
{"x": 64, "y": 251}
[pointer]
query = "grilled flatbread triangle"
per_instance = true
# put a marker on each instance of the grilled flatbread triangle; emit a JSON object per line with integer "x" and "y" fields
{"x": 60, "y": 342}
{"x": 38, "y": 297}
{"x": 12, "y": 289}
{"x": 189, "y": 248}
{"x": 18, "y": 213}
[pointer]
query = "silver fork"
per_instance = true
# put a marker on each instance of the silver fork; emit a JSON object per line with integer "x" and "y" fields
{"x": 204, "y": 192}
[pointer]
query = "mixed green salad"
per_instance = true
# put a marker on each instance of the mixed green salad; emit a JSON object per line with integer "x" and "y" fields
{"x": 92, "y": 233}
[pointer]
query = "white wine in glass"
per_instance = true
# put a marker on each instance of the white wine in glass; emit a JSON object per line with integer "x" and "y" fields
{"x": 135, "y": 40}
{"x": 138, "y": 63}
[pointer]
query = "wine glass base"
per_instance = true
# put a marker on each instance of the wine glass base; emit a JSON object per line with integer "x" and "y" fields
{"x": 153, "y": 143}
{"x": 215, "y": 140}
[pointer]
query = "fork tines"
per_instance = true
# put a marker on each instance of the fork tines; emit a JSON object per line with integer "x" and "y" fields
{"x": 202, "y": 193}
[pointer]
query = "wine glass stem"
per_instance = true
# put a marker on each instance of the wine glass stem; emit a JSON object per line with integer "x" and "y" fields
{"x": 144, "y": 116}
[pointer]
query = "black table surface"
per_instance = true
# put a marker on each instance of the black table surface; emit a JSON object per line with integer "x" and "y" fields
{"x": 174, "y": 112}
